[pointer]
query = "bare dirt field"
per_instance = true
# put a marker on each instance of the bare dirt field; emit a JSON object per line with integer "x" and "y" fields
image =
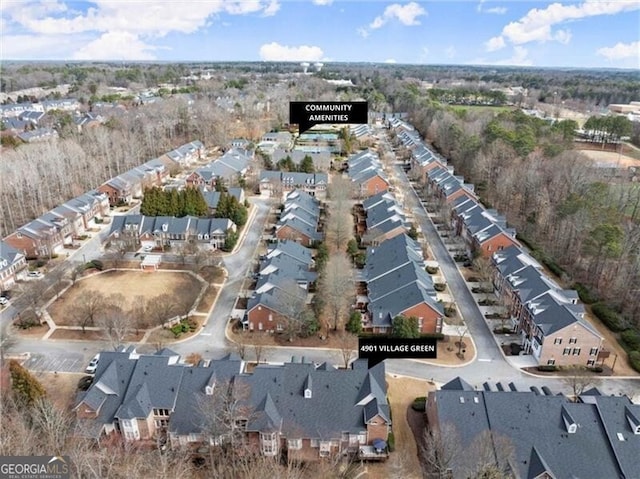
{"x": 130, "y": 284}
{"x": 610, "y": 157}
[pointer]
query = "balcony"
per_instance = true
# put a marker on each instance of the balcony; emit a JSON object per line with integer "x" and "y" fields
{"x": 370, "y": 453}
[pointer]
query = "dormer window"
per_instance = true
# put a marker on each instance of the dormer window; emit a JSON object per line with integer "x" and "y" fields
{"x": 307, "y": 393}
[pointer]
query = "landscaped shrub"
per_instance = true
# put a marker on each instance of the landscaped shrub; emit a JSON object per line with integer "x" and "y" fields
{"x": 419, "y": 404}
{"x": 634, "y": 360}
{"x": 391, "y": 442}
{"x": 609, "y": 317}
{"x": 631, "y": 338}
{"x": 450, "y": 311}
{"x": 585, "y": 295}
{"x": 176, "y": 330}
{"x": 432, "y": 269}
{"x": 548, "y": 368}
{"x": 439, "y": 286}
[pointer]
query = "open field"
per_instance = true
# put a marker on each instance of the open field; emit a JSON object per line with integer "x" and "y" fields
{"x": 482, "y": 108}
{"x": 611, "y": 157}
{"x": 61, "y": 388}
{"x": 131, "y": 285}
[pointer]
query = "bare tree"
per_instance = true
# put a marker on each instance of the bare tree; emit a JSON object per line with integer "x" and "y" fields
{"x": 337, "y": 288}
{"x": 160, "y": 309}
{"x": 259, "y": 346}
{"x": 87, "y": 309}
{"x": 52, "y": 424}
{"x": 193, "y": 359}
{"x": 241, "y": 344}
{"x": 56, "y": 278}
{"x": 462, "y": 331}
{"x": 440, "y": 449}
{"x": 578, "y": 380}
{"x": 347, "y": 346}
{"x": 6, "y": 343}
{"x": 114, "y": 319}
{"x": 139, "y": 313}
{"x": 340, "y": 222}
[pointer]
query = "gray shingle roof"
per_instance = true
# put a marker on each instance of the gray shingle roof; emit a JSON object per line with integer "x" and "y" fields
{"x": 531, "y": 421}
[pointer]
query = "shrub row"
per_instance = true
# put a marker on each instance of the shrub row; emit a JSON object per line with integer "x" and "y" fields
{"x": 631, "y": 338}
{"x": 634, "y": 360}
{"x": 609, "y": 317}
{"x": 585, "y": 295}
{"x": 419, "y": 404}
{"x": 436, "y": 336}
{"x": 547, "y": 368}
{"x": 439, "y": 286}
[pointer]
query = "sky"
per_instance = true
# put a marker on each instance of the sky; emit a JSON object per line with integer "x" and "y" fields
{"x": 589, "y": 33}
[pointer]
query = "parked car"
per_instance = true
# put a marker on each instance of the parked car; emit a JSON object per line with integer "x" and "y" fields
{"x": 93, "y": 365}
{"x": 34, "y": 274}
{"x": 3, "y": 301}
{"x": 147, "y": 248}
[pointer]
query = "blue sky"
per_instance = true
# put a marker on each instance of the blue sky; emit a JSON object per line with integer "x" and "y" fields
{"x": 591, "y": 33}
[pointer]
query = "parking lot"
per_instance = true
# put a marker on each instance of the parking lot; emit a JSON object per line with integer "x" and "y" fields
{"x": 71, "y": 363}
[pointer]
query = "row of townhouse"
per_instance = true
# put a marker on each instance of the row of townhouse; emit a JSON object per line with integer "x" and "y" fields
{"x": 378, "y": 218}
{"x": 548, "y": 318}
{"x": 13, "y": 110}
{"x": 47, "y": 234}
{"x": 234, "y": 164}
{"x": 367, "y": 174}
{"x": 170, "y": 231}
{"x": 531, "y": 434}
{"x": 273, "y": 183}
{"x": 300, "y": 219}
{"x": 297, "y": 409}
{"x": 394, "y": 282}
{"x": 285, "y": 276}
{"x": 123, "y": 188}
{"x": 13, "y": 263}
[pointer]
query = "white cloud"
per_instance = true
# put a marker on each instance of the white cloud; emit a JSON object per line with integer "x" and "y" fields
{"x": 451, "y": 51}
{"x": 493, "y": 10}
{"x": 621, "y": 51}
{"x": 562, "y": 36}
{"x": 271, "y": 9}
{"x": 495, "y": 43}
{"x": 537, "y": 24}
{"x": 132, "y": 26}
{"x": 323, "y": 2}
{"x": 519, "y": 58}
{"x": 390, "y": 60}
{"x": 38, "y": 47}
{"x": 274, "y": 52}
{"x": 496, "y": 10}
{"x": 406, "y": 14}
{"x": 363, "y": 32}
{"x": 116, "y": 46}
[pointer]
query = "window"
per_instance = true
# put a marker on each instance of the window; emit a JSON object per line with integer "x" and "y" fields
{"x": 294, "y": 444}
{"x": 325, "y": 448}
{"x": 551, "y": 362}
{"x": 315, "y": 443}
{"x": 566, "y": 351}
{"x": 590, "y": 362}
{"x": 576, "y": 351}
{"x": 593, "y": 351}
{"x": 557, "y": 341}
{"x": 270, "y": 317}
{"x": 573, "y": 340}
{"x": 345, "y": 437}
{"x": 279, "y": 327}
{"x": 269, "y": 443}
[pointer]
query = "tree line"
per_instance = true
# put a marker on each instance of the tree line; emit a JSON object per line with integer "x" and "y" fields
{"x": 186, "y": 202}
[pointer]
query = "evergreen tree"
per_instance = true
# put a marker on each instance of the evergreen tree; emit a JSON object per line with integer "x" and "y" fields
{"x": 306, "y": 165}
{"x": 404, "y": 327}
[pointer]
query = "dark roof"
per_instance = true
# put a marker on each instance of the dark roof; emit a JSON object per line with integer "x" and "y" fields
{"x": 536, "y": 426}
{"x": 337, "y": 404}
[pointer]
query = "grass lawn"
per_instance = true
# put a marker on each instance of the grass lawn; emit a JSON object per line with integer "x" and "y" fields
{"x": 131, "y": 285}
{"x": 207, "y": 299}
{"x": 483, "y": 108}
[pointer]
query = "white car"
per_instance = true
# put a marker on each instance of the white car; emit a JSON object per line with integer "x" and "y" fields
{"x": 147, "y": 248}
{"x": 93, "y": 365}
{"x": 3, "y": 301}
{"x": 34, "y": 274}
